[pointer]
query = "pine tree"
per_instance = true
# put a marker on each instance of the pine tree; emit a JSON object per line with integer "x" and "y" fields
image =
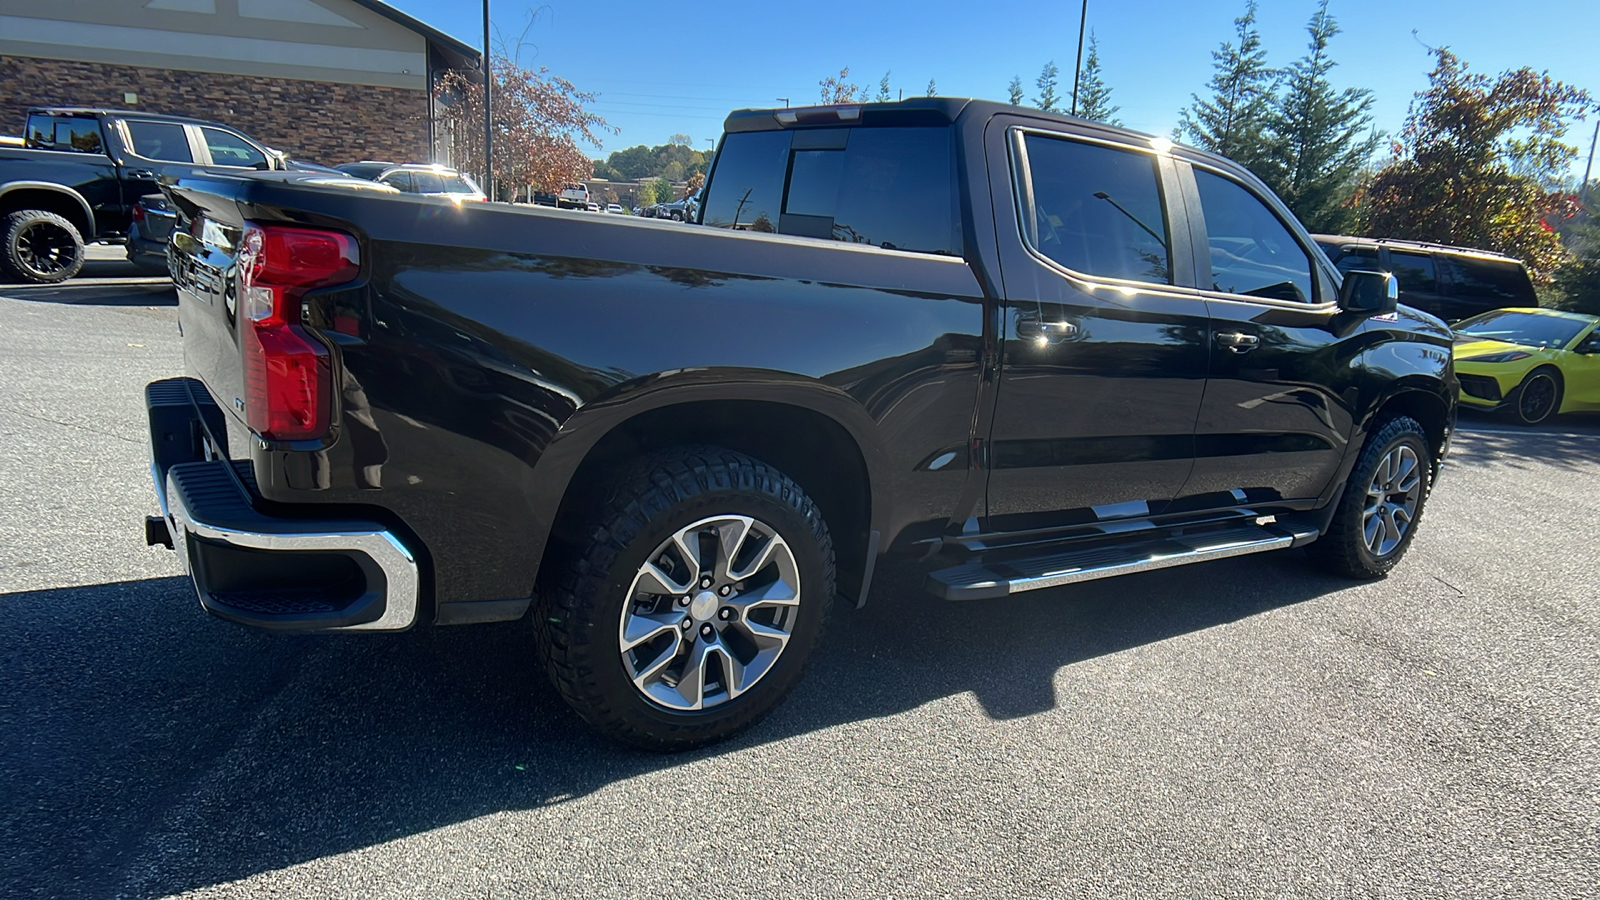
{"x": 883, "y": 90}
{"x": 1318, "y": 137}
{"x": 1094, "y": 97}
{"x": 1233, "y": 122}
{"x": 1046, "y": 82}
{"x": 933, "y": 91}
{"x": 1016, "y": 90}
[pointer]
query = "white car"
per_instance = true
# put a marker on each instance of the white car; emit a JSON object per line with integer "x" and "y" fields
{"x": 614, "y": 208}
{"x": 414, "y": 178}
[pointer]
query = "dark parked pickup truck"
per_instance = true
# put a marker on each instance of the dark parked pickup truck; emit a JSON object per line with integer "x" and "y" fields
{"x": 1025, "y": 349}
{"x": 80, "y": 173}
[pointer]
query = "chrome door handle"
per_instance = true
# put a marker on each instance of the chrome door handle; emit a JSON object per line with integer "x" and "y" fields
{"x": 140, "y": 173}
{"x": 1238, "y": 341}
{"x": 1032, "y": 326}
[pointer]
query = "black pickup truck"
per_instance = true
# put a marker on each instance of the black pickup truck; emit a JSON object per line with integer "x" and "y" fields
{"x": 80, "y": 173}
{"x": 1024, "y": 349}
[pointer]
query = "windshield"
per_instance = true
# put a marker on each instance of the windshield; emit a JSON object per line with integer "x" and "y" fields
{"x": 1528, "y": 329}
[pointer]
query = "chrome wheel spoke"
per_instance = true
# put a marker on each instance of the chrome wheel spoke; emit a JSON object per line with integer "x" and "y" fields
{"x": 1372, "y": 530}
{"x": 650, "y": 674}
{"x": 641, "y": 628}
{"x": 692, "y": 684}
{"x": 731, "y": 534}
{"x": 652, "y": 580}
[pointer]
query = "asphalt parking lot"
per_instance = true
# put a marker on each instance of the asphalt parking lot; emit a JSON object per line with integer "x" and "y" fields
{"x": 1244, "y": 728}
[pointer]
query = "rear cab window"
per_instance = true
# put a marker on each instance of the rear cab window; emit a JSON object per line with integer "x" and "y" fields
{"x": 891, "y": 187}
{"x": 73, "y": 134}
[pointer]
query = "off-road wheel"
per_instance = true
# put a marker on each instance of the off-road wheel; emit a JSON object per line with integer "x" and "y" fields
{"x": 1382, "y": 503}
{"x": 690, "y": 609}
{"x": 1538, "y": 397}
{"x": 39, "y": 247}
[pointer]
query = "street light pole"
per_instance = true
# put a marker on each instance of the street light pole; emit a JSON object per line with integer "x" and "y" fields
{"x": 1076, "y": 69}
{"x": 1583, "y": 189}
{"x": 488, "y": 122}
{"x": 785, "y": 101}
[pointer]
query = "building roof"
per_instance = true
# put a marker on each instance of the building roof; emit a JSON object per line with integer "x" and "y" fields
{"x": 459, "y": 54}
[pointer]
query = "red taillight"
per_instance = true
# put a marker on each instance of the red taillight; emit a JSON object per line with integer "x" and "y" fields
{"x": 286, "y": 372}
{"x": 138, "y": 212}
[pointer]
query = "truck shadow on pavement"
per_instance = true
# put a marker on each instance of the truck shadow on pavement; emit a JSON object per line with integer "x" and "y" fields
{"x": 148, "y": 749}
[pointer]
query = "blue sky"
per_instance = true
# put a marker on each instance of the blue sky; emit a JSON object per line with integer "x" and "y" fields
{"x": 665, "y": 68}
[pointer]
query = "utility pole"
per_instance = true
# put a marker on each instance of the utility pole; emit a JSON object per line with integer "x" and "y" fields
{"x": 488, "y": 122}
{"x": 1583, "y": 189}
{"x": 1077, "y": 69}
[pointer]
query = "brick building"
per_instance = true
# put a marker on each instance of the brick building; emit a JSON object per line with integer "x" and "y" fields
{"x": 324, "y": 80}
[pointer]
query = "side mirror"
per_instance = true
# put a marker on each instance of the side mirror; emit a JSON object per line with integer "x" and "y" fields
{"x": 1369, "y": 293}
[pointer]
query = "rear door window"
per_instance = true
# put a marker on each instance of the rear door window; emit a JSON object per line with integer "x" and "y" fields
{"x": 1414, "y": 271}
{"x": 1253, "y": 252}
{"x": 164, "y": 141}
{"x": 229, "y": 149}
{"x": 427, "y": 183}
{"x": 399, "y": 181}
{"x": 1097, "y": 210}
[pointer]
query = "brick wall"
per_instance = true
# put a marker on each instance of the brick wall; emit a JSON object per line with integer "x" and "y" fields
{"x": 310, "y": 120}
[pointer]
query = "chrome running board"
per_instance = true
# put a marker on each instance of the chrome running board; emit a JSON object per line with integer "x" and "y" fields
{"x": 988, "y": 577}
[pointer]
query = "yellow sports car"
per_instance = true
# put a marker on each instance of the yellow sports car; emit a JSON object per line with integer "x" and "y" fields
{"x": 1531, "y": 363}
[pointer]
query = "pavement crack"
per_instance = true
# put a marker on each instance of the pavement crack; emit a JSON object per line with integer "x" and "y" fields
{"x": 38, "y": 418}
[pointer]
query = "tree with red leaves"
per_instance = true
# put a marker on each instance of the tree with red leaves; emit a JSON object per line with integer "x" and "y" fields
{"x": 1478, "y": 165}
{"x": 539, "y": 119}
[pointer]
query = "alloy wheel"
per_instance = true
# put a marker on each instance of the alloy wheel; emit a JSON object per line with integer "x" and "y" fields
{"x": 709, "y": 613}
{"x": 1392, "y": 500}
{"x": 45, "y": 248}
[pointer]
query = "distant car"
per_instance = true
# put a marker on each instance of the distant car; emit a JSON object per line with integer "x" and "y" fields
{"x": 1449, "y": 282}
{"x": 1530, "y": 363}
{"x": 614, "y": 208}
{"x": 592, "y": 207}
{"x": 417, "y": 178}
{"x": 673, "y": 210}
{"x": 153, "y": 218}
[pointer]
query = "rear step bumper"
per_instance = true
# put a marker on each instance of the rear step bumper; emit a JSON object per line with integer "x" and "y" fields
{"x": 997, "y": 575}
{"x": 285, "y": 574}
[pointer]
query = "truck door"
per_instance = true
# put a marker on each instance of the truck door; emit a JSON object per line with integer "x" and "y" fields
{"x": 1276, "y": 416}
{"x": 1105, "y": 350}
{"x": 153, "y": 149}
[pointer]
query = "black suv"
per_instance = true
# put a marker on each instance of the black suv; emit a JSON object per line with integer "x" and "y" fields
{"x": 1452, "y": 283}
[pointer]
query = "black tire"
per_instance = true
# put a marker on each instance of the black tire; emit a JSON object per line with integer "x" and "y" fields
{"x": 1345, "y": 549}
{"x": 582, "y": 603}
{"x": 39, "y": 247}
{"x": 1537, "y": 398}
